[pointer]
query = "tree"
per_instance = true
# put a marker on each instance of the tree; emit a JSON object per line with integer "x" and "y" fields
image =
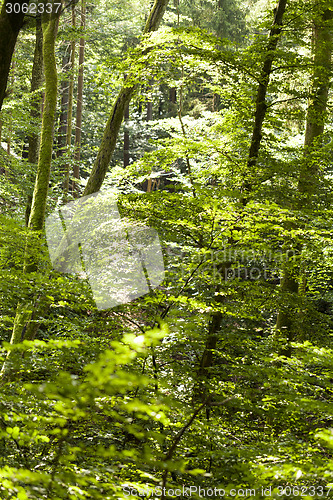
{"x": 37, "y": 215}
{"x": 64, "y": 92}
{"x": 79, "y": 105}
{"x": 37, "y": 78}
{"x": 70, "y": 104}
{"x": 10, "y": 26}
{"x": 112, "y": 127}
{"x": 261, "y": 104}
{"x": 259, "y": 116}
{"x": 288, "y": 321}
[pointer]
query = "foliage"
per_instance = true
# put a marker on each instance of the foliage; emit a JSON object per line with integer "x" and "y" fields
{"x": 103, "y": 402}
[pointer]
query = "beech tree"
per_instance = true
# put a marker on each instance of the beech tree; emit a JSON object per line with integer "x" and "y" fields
{"x": 288, "y": 320}
{"x": 79, "y": 104}
{"x": 250, "y": 175}
{"x": 112, "y": 127}
{"x": 37, "y": 77}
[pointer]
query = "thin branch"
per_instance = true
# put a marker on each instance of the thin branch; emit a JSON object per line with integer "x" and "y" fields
{"x": 181, "y": 433}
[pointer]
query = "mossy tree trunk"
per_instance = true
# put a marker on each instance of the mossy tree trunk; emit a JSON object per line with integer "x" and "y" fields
{"x": 37, "y": 78}
{"x": 112, "y": 128}
{"x": 37, "y": 215}
{"x": 126, "y": 151}
{"x": 288, "y": 323}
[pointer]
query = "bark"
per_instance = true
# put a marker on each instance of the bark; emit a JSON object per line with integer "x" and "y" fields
{"x": 111, "y": 131}
{"x": 10, "y": 90}
{"x": 79, "y": 106}
{"x": 216, "y": 321}
{"x": 37, "y": 215}
{"x": 173, "y": 101}
{"x": 126, "y": 139}
{"x": 149, "y": 117}
{"x": 70, "y": 106}
{"x": 261, "y": 105}
{"x": 10, "y": 26}
{"x": 36, "y": 103}
{"x": 64, "y": 90}
{"x": 316, "y": 112}
{"x": 289, "y": 320}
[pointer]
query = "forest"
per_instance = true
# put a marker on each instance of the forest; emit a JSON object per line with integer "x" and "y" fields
{"x": 166, "y": 249}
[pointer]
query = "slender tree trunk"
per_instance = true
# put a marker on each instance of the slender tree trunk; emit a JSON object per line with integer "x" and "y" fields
{"x": 316, "y": 113}
{"x": 111, "y": 131}
{"x": 79, "y": 106}
{"x": 126, "y": 138}
{"x": 26, "y": 319}
{"x": 36, "y": 103}
{"x": 37, "y": 78}
{"x": 70, "y": 106}
{"x": 11, "y": 88}
{"x": 173, "y": 101}
{"x": 288, "y": 320}
{"x": 10, "y": 25}
{"x": 216, "y": 320}
{"x": 64, "y": 90}
{"x": 149, "y": 117}
{"x": 261, "y": 105}
{"x": 201, "y": 390}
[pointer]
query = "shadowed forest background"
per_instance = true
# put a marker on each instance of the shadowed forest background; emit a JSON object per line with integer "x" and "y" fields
{"x": 212, "y": 121}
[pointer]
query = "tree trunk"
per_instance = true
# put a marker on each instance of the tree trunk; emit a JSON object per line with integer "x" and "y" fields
{"x": 10, "y": 25}
{"x": 126, "y": 138}
{"x": 173, "y": 101}
{"x": 36, "y": 103}
{"x": 288, "y": 321}
{"x": 207, "y": 358}
{"x": 79, "y": 106}
{"x": 316, "y": 112}
{"x": 37, "y": 216}
{"x": 10, "y": 90}
{"x": 200, "y": 391}
{"x": 149, "y": 117}
{"x": 111, "y": 131}
{"x": 261, "y": 105}
{"x": 64, "y": 90}
{"x": 70, "y": 106}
